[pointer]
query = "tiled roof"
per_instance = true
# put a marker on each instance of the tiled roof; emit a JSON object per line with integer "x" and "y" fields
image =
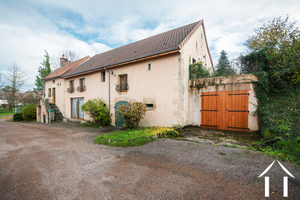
{"x": 161, "y": 43}
{"x": 69, "y": 66}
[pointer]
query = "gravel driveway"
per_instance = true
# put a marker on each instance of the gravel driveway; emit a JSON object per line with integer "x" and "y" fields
{"x": 50, "y": 162}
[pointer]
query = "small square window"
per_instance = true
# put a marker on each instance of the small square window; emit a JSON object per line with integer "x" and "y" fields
{"x": 149, "y": 106}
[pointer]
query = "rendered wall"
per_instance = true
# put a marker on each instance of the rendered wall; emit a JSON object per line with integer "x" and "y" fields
{"x": 40, "y": 111}
{"x": 60, "y": 92}
{"x": 231, "y": 83}
{"x": 158, "y": 86}
{"x": 195, "y": 48}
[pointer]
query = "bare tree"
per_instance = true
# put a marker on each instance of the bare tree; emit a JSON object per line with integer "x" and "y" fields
{"x": 69, "y": 54}
{"x": 29, "y": 97}
{"x": 14, "y": 79}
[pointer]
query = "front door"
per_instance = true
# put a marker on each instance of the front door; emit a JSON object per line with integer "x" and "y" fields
{"x": 119, "y": 119}
{"x": 77, "y": 113}
{"x": 53, "y": 95}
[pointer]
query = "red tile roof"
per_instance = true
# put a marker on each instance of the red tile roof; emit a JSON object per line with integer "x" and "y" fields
{"x": 165, "y": 42}
{"x": 63, "y": 70}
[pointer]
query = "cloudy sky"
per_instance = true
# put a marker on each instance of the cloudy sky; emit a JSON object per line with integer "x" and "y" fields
{"x": 28, "y": 27}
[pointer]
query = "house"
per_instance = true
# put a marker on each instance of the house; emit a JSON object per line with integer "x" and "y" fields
{"x": 3, "y": 100}
{"x": 54, "y": 91}
{"x": 154, "y": 71}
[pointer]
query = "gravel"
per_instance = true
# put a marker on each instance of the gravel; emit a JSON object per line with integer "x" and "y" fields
{"x": 55, "y": 162}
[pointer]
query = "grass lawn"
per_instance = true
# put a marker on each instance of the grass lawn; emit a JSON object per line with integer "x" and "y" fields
{"x": 10, "y": 113}
{"x": 135, "y": 137}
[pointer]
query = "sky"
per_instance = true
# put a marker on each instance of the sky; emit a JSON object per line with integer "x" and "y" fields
{"x": 29, "y": 27}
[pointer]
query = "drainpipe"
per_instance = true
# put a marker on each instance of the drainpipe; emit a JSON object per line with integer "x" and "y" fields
{"x": 108, "y": 91}
{"x": 44, "y": 89}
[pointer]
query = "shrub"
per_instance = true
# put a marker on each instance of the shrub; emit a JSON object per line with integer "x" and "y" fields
{"x": 98, "y": 111}
{"x": 132, "y": 113}
{"x": 18, "y": 117}
{"x": 29, "y": 112}
{"x": 166, "y": 132}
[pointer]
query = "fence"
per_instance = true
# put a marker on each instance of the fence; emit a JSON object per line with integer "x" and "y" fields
{"x": 6, "y": 110}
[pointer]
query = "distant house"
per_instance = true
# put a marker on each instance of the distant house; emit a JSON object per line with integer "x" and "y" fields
{"x": 154, "y": 71}
{"x": 3, "y": 100}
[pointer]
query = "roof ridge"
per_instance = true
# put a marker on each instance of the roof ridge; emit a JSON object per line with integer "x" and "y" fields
{"x": 149, "y": 37}
{"x": 161, "y": 43}
{"x": 185, "y": 40}
{"x": 68, "y": 67}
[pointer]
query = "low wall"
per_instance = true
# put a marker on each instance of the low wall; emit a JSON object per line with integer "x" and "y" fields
{"x": 219, "y": 84}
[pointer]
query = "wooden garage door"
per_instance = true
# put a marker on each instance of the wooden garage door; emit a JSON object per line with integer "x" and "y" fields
{"x": 225, "y": 110}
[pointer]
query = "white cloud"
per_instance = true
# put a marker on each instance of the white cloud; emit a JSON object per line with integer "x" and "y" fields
{"x": 90, "y": 27}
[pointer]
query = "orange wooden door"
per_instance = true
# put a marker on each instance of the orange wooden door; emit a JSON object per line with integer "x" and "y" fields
{"x": 237, "y": 110}
{"x": 225, "y": 110}
{"x": 210, "y": 110}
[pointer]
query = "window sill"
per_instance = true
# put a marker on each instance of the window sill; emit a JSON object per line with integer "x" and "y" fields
{"x": 122, "y": 93}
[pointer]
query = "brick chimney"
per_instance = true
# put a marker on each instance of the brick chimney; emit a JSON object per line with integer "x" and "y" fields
{"x": 63, "y": 60}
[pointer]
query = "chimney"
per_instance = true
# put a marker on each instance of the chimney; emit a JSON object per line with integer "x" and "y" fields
{"x": 63, "y": 61}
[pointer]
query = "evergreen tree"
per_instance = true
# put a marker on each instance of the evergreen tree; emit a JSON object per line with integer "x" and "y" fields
{"x": 43, "y": 71}
{"x": 224, "y": 68}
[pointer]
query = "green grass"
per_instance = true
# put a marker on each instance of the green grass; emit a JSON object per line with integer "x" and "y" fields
{"x": 9, "y": 113}
{"x": 134, "y": 137}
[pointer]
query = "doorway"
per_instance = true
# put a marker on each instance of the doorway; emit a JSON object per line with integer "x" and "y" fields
{"x": 76, "y": 111}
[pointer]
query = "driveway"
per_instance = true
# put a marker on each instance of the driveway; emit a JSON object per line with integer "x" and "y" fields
{"x": 55, "y": 162}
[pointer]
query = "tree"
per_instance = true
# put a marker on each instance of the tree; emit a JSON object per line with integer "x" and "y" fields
{"x": 14, "y": 79}
{"x": 197, "y": 70}
{"x": 29, "y": 97}
{"x": 280, "y": 41}
{"x": 224, "y": 68}
{"x": 43, "y": 71}
{"x": 69, "y": 54}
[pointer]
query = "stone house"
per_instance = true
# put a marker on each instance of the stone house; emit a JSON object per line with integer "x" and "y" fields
{"x": 154, "y": 71}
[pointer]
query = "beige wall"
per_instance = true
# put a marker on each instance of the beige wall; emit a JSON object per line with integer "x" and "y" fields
{"x": 40, "y": 111}
{"x": 158, "y": 86}
{"x": 60, "y": 92}
{"x": 231, "y": 83}
{"x": 196, "y": 48}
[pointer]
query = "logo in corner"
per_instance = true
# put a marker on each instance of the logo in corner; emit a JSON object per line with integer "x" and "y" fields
{"x": 267, "y": 180}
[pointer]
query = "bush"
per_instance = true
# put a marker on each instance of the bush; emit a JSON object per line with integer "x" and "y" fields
{"x": 29, "y": 112}
{"x": 18, "y": 117}
{"x": 132, "y": 113}
{"x": 98, "y": 111}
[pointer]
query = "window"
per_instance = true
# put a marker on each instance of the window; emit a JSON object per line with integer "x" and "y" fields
{"x": 149, "y": 106}
{"x": 103, "y": 76}
{"x": 49, "y": 92}
{"x": 71, "y": 86}
{"x": 81, "y": 87}
{"x": 53, "y": 81}
{"x": 194, "y": 61}
{"x": 123, "y": 83}
{"x": 76, "y": 111}
{"x": 149, "y": 67}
